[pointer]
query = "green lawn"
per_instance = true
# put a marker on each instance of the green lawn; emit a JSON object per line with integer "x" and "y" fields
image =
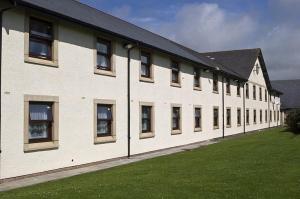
{"x": 263, "y": 165}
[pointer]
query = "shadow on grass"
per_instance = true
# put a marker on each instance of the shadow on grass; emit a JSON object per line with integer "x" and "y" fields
{"x": 289, "y": 131}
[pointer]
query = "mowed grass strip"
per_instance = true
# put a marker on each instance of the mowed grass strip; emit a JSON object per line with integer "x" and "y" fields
{"x": 261, "y": 165}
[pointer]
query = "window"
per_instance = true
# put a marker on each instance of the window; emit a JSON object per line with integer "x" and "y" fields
{"x": 198, "y": 118}
{"x": 228, "y": 117}
{"x": 104, "y": 121}
{"x": 277, "y": 116}
{"x": 41, "y": 123}
{"x": 228, "y": 91}
{"x": 40, "y": 39}
{"x": 147, "y": 121}
{"x": 254, "y": 92}
{"x": 104, "y": 55}
{"x": 247, "y": 91}
{"x": 254, "y": 116}
{"x": 270, "y": 116}
{"x": 260, "y": 94}
{"x": 238, "y": 89}
{"x": 260, "y": 116}
{"x": 146, "y": 66}
{"x": 216, "y": 117}
{"x": 266, "y": 116}
{"x": 266, "y": 95}
{"x": 215, "y": 83}
{"x": 175, "y": 70}
{"x": 197, "y": 84}
{"x": 176, "y": 119}
{"x": 239, "y": 117}
{"x": 247, "y": 117}
{"x": 274, "y": 116}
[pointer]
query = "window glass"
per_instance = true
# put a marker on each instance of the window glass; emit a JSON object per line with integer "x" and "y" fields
{"x": 40, "y": 121}
{"x": 228, "y": 117}
{"x": 196, "y": 77}
{"x": 197, "y": 117}
{"x": 216, "y": 117}
{"x": 103, "y": 54}
{"x": 176, "y": 118}
{"x": 104, "y": 120}
{"x": 146, "y": 119}
{"x": 175, "y": 72}
{"x": 215, "y": 82}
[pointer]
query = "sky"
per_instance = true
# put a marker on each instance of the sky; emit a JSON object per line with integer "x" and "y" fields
{"x": 215, "y": 25}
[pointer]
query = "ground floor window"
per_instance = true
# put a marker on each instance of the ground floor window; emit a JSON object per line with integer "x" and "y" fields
{"x": 266, "y": 116}
{"x": 239, "y": 117}
{"x": 228, "y": 117}
{"x": 247, "y": 117}
{"x": 146, "y": 120}
{"x": 260, "y": 116}
{"x": 41, "y": 123}
{"x": 254, "y": 116}
{"x": 104, "y": 121}
{"x": 198, "y": 118}
{"x": 216, "y": 117}
{"x": 176, "y": 119}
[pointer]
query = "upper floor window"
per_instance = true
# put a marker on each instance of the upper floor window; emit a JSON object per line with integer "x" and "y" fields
{"x": 228, "y": 91}
{"x": 215, "y": 82}
{"x": 254, "y": 92}
{"x": 175, "y": 77}
{"x": 247, "y": 90}
{"x": 197, "y": 84}
{"x": 146, "y": 71}
{"x": 40, "y": 39}
{"x": 104, "y": 55}
{"x": 266, "y": 95}
{"x": 260, "y": 94}
{"x": 238, "y": 89}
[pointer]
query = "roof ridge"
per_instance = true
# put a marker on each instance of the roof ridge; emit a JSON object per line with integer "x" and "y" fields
{"x": 245, "y": 49}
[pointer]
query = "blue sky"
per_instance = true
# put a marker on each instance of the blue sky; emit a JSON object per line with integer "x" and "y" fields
{"x": 214, "y": 25}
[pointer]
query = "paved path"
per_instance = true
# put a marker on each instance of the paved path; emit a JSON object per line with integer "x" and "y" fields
{"x": 97, "y": 167}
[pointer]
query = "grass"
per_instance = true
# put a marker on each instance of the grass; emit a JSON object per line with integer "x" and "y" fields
{"x": 262, "y": 165}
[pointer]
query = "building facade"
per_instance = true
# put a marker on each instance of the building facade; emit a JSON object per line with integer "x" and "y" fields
{"x": 65, "y": 94}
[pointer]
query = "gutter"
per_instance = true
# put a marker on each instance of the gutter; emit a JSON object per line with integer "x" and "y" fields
{"x": 244, "y": 108}
{"x": 1, "y": 25}
{"x": 129, "y": 47}
{"x": 223, "y": 128}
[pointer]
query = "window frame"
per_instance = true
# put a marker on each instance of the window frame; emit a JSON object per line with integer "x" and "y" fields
{"x": 197, "y": 75}
{"x": 228, "y": 86}
{"x": 254, "y": 92}
{"x": 149, "y": 54}
{"x": 218, "y": 118}
{"x": 47, "y": 144}
{"x": 197, "y": 129}
{"x": 107, "y": 138}
{"x": 111, "y": 54}
{"x": 50, "y": 61}
{"x": 176, "y": 131}
{"x": 228, "y": 125}
{"x": 239, "y": 117}
{"x": 178, "y": 83}
{"x": 150, "y": 134}
{"x": 215, "y": 83}
{"x": 247, "y": 117}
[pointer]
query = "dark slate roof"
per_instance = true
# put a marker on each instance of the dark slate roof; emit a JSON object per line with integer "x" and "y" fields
{"x": 81, "y": 13}
{"x": 240, "y": 61}
{"x": 291, "y": 92}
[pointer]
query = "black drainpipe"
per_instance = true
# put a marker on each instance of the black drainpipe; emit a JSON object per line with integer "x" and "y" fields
{"x": 129, "y": 47}
{"x": 1, "y": 24}
{"x": 223, "y": 106}
{"x": 244, "y": 108}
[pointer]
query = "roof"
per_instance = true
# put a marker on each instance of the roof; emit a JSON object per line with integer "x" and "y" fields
{"x": 291, "y": 92}
{"x": 241, "y": 62}
{"x": 238, "y": 63}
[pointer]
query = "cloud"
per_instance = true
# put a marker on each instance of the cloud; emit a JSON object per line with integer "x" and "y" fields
{"x": 122, "y": 12}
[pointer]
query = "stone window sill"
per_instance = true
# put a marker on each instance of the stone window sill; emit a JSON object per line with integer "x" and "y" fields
{"x": 147, "y": 80}
{"x": 147, "y": 135}
{"x": 176, "y": 85}
{"x": 197, "y": 129}
{"x": 176, "y": 132}
{"x": 104, "y": 72}
{"x": 43, "y": 146}
{"x": 103, "y": 140}
{"x": 32, "y": 60}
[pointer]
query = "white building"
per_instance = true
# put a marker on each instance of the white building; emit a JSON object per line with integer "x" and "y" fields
{"x": 64, "y": 89}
